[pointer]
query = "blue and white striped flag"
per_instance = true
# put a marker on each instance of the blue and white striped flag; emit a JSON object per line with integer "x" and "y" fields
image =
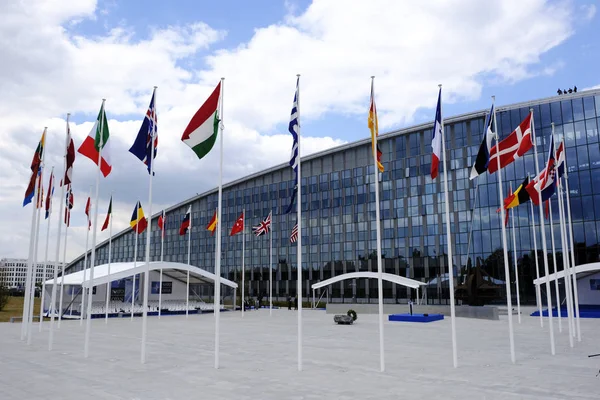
{"x": 293, "y": 128}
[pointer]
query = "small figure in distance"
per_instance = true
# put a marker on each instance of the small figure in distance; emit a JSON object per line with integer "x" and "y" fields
{"x": 575, "y": 89}
{"x": 559, "y": 92}
{"x": 296, "y": 302}
{"x": 570, "y": 90}
{"x": 289, "y": 300}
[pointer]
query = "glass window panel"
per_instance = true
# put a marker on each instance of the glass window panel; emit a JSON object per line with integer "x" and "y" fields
{"x": 588, "y": 107}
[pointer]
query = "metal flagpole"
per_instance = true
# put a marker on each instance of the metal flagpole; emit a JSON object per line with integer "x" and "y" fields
{"x": 570, "y": 229}
{"x": 135, "y": 232}
{"x": 504, "y": 245}
{"x": 43, "y": 297}
{"x": 88, "y": 325}
{"x": 162, "y": 247}
{"x": 26, "y": 298}
{"x": 448, "y": 241}
{"x": 243, "y": 262}
{"x": 108, "y": 289}
{"x": 271, "y": 266}
{"x": 187, "y": 285}
{"x": 538, "y": 294}
{"x": 544, "y": 247}
{"x": 556, "y": 289}
{"x": 62, "y": 276}
{"x": 87, "y": 238}
{"x": 566, "y": 269}
{"x": 35, "y": 260}
{"x": 148, "y": 237}
{"x": 299, "y": 248}
{"x": 378, "y": 227}
{"x": 217, "y": 300}
{"x": 514, "y": 238}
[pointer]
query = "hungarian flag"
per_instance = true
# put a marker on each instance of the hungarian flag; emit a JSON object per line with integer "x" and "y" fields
{"x": 212, "y": 225}
{"x": 185, "y": 224}
{"x": 108, "y": 216}
{"x": 238, "y": 226}
{"x": 49, "y": 195}
{"x": 97, "y": 139}
{"x": 161, "y": 223}
{"x": 138, "y": 222}
{"x": 68, "y": 205}
{"x": 519, "y": 196}
{"x": 36, "y": 166}
{"x": 201, "y": 132}
{"x": 69, "y": 157}
{"x": 436, "y": 140}
{"x": 88, "y": 206}
{"x": 374, "y": 127}
{"x": 514, "y": 146}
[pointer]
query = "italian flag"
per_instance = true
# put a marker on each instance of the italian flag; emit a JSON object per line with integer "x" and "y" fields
{"x": 201, "y": 132}
{"x": 97, "y": 139}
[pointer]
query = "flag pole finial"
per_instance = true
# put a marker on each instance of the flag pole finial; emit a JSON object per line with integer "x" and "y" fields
{"x": 155, "y": 86}
{"x": 298, "y": 75}
{"x": 440, "y": 85}
{"x": 68, "y": 114}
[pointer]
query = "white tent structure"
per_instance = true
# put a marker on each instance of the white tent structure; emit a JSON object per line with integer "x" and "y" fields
{"x": 173, "y": 274}
{"x": 399, "y": 280}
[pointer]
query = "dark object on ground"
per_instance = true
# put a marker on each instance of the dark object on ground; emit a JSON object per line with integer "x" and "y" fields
{"x": 352, "y": 313}
{"x": 343, "y": 320}
{"x": 426, "y": 315}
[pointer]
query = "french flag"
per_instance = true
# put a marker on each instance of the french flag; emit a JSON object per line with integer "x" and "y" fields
{"x": 436, "y": 140}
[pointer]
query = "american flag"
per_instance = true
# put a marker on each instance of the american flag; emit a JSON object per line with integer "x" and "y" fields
{"x": 293, "y": 128}
{"x": 294, "y": 236}
{"x": 263, "y": 228}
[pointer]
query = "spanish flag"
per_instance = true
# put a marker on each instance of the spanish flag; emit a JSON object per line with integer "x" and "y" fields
{"x": 138, "y": 221}
{"x": 212, "y": 225}
{"x": 519, "y": 196}
{"x": 374, "y": 127}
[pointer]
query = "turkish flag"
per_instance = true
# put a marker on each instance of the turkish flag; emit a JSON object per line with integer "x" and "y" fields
{"x": 238, "y": 226}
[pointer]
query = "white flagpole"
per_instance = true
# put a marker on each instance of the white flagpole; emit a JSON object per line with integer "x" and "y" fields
{"x": 556, "y": 289}
{"x": 538, "y": 294}
{"x": 62, "y": 277}
{"x": 162, "y": 247}
{"x": 566, "y": 269}
{"x": 505, "y": 246}
{"x": 88, "y": 326}
{"x": 299, "y": 248}
{"x": 61, "y": 203}
{"x": 570, "y": 229}
{"x": 544, "y": 247}
{"x": 109, "y": 259}
{"x": 243, "y": 262}
{"x": 43, "y": 297}
{"x": 35, "y": 261}
{"x": 135, "y": 232}
{"x": 271, "y": 267}
{"x": 217, "y": 300}
{"x": 148, "y": 237}
{"x": 87, "y": 238}
{"x": 379, "y": 266}
{"x": 514, "y": 238}
{"x": 187, "y": 284}
{"x": 30, "y": 266}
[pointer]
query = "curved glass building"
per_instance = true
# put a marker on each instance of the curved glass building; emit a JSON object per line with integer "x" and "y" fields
{"x": 338, "y": 203}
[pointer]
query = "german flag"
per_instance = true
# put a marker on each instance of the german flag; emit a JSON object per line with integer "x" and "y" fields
{"x": 519, "y": 196}
{"x": 212, "y": 225}
{"x": 374, "y": 128}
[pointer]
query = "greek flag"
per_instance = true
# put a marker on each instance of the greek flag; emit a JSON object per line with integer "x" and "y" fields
{"x": 293, "y": 128}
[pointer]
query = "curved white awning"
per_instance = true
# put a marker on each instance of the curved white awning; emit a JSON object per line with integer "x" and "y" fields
{"x": 128, "y": 269}
{"x": 591, "y": 267}
{"x": 400, "y": 280}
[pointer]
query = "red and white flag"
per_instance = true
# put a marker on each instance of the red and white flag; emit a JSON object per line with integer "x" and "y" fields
{"x": 88, "y": 206}
{"x": 436, "y": 140}
{"x": 514, "y": 146}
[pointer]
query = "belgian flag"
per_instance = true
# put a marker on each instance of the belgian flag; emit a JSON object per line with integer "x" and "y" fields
{"x": 519, "y": 196}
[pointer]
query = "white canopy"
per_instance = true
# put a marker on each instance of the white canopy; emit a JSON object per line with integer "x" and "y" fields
{"x": 400, "y": 280}
{"x": 591, "y": 267}
{"x": 128, "y": 269}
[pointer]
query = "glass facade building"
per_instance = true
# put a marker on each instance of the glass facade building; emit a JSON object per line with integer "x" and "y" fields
{"x": 338, "y": 210}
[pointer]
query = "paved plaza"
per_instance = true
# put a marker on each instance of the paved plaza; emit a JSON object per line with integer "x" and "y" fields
{"x": 258, "y": 360}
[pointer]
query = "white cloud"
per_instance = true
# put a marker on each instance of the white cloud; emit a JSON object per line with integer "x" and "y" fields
{"x": 410, "y": 46}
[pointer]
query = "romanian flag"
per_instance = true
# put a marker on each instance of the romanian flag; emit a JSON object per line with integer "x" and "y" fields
{"x": 374, "y": 127}
{"x": 519, "y": 196}
{"x": 161, "y": 223}
{"x": 212, "y": 225}
{"x": 36, "y": 165}
{"x": 138, "y": 221}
